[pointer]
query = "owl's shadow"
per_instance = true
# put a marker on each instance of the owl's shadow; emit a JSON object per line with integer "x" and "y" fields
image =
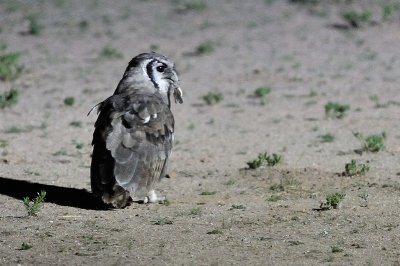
{"x": 64, "y": 196}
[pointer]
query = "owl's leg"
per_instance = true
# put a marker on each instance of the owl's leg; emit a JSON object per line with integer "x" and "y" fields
{"x": 152, "y": 197}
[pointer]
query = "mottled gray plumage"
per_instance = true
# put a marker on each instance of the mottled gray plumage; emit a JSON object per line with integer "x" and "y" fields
{"x": 134, "y": 132}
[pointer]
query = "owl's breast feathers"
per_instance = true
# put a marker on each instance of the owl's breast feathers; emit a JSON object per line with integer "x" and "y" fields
{"x": 132, "y": 140}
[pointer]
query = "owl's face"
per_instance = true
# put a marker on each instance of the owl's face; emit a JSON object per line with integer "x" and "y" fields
{"x": 157, "y": 71}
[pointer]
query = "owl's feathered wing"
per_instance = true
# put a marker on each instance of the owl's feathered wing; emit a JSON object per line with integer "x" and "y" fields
{"x": 132, "y": 143}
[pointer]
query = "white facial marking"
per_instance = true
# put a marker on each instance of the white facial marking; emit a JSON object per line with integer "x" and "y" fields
{"x": 146, "y": 120}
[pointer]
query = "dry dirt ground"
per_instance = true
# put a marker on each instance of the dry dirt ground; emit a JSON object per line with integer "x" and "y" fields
{"x": 219, "y": 213}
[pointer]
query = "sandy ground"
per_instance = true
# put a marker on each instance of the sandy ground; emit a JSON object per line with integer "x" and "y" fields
{"x": 305, "y": 53}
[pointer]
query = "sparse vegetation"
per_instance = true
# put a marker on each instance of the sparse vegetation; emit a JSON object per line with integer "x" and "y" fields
{"x": 332, "y": 201}
{"x": 336, "y": 110}
{"x": 326, "y": 138}
{"x": 389, "y": 10}
{"x": 371, "y": 143}
{"x": 69, "y": 101}
{"x": 353, "y": 168}
{"x": 9, "y": 98}
{"x": 214, "y": 232}
{"x": 237, "y": 207}
{"x": 205, "y": 48}
{"x": 10, "y": 69}
{"x": 274, "y": 198}
{"x": 195, "y": 211}
{"x": 25, "y": 246}
{"x": 109, "y": 52}
{"x": 262, "y": 93}
{"x": 34, "y": 27}
{"x": 76, "y": 124}
{"x": 271, "y": 160}
{"x": 161, "y": 221}
{"x": 357, "y": 19}
{"x": 207, "y": 193}
{"x": 34, "y": 206}
{"x": 213, "y": 97}
{"x": 194, "y": 5}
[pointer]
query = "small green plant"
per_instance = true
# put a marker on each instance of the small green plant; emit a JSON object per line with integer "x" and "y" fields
{"x": 356, "y": 19}
{"x": 109, "y": 52}
{"x": 76, "y": 124}
{"x": 25, "y": 246}
{"x": 205, "y": 48}
{"x": 195, "y": 211}
{"x": 213, "y": 98}
{"x": 271, "y": 160}
{"x": 326, "y": 138}
{"x": 34, "y": 27}
{"x": 10, "y": 69}
{"x": 194, "y": 5}
{"x": 237, "y": 207}
{"x": 9, "y": 98}
{"x": 161, "y": 221}
{"x": 274, "y": 198}
{"x": 262, "y": 93}
{"x": 34, "y": 206}
{"x": 336, "y": 249}
{"x": 69, "y": 101}
{"x": 332, "y": 201}
{"x": 214, "y": 232}
{"x": 371, "y": 143}
{"x": 336, "y": 110}
{"x": 389, "y": 10}
{"x": 207, "y": 193}
{"x": 353, "y": 168}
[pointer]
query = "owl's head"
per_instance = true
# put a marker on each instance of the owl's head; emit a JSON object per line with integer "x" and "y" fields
{"x": 154, "y": 72}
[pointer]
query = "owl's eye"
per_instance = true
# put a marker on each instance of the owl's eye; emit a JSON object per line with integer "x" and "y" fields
{"x": 161, "y": 68}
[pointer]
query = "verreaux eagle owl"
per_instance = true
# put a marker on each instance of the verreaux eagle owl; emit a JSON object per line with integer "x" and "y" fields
{"x": 134, "y": 132}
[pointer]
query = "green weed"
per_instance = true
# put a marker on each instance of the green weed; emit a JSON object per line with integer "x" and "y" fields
{"x": 69, "y": 101}
{"x": 336, "y": 110}
{"x": 194, "y": 5}
{"x": 353, "y": 168}
{"x": 34, "y": 206}
{"x": 262, "y": 93}
{"x": 332, "y": 201}
{"x": 34, "y": 27}
{"x": 389, "y": 10}
{"x": 326, "y": 138}
{"x": 25, "y": 246}
{"x": 205, "y": 48}
{"x": 195, "y": 211}
{"x": 356, "y": 19}
{"x": 336, "y": 249}
{"x": 161, "y": 221}
{"x": 213, "y": 98}
{"x": 274, "y": 198}
{"x": 371, "y": 143}
{"x": 10, "y": 69}
{"x": 271, "y": 160}
{"x": 207, "y": 193}
{"x": 9, "y": 98}
{"x": 109, "y": 52}
{"x": 237, "y": 207}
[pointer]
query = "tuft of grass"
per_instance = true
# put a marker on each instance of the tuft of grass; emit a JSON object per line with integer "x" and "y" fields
{"x": 9, "y": 98}
{"x": 271, "y": 160}
{"x": 213, "y": 97}
{"x": 194, "y": 5}
{"x": 371, "y": 143}
{"x": 34, "y": 27}
{"x": 109, "y": 52}
{"x": 336, "y": 249}
{"x": 195, "y": 211}
{"x": 214, "y": 232}
{"x": 332, "y": 201}
{"x": 262, "y": 93}
{"x": 207, "y": 193}
{"x": 161, "y": 221}
{"x": 10, "y": 69}
{"x": 336, "y": 110}
{"x": 274, "y": 198}
{"x": 326, "y": 138}
{"x": 25, "y": 246}
{"x": 34, "y": 206}
{"x": 389, "y": 10}
{"x": 357, "y": 19}
{"x": 69, "y": 101}
{"x": 76, "y": 124}
{"x": 237, "y": 207}
{"x": 205, "y": 48}
{"x": 353, "y": 168}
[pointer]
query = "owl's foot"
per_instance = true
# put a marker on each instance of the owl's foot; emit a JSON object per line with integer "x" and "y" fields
{"x": 119, "y": 199}
{"x": 152, "y": 197}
